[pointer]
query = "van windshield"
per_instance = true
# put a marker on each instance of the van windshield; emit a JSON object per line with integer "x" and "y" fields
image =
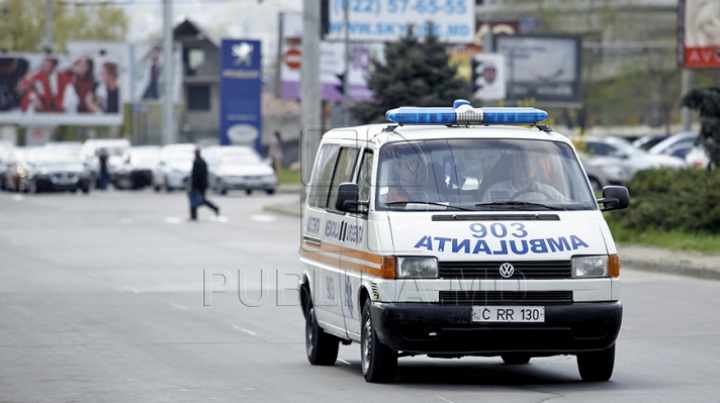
{"x": 481, "y": 174}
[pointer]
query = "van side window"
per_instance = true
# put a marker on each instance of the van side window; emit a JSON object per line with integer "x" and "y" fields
{"x": 365, "y": 175}
{"x": 343, "y": 172}
{"x": 320, "y": 186}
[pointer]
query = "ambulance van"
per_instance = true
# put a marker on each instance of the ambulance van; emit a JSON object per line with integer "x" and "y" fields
{"x": 453, "y": 232}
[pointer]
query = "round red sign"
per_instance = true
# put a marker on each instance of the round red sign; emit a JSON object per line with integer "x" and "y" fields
{"x": 292, "y": 58}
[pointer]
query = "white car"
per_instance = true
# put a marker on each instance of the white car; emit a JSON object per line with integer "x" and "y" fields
{"x": 175, "y": 167}
{"x": 620, "y": 160}
{"x": 238, "y": 168}
{"x": 697, "y": 157}
{"x": 90, "y": 153}
{"x": 139, "y": 165}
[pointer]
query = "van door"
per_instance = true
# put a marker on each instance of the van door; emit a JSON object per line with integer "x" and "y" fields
{"x": 322, "y": 228}
{"x": 355, "y": 253}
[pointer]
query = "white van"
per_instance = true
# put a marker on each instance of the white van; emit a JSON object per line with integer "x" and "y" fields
{"x": 449, "y": 235}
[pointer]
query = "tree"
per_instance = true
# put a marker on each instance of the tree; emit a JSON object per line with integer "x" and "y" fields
{"x": 416, "y": 73}
{"x": 707, "y": 101}
{"x": 22, "y": 24}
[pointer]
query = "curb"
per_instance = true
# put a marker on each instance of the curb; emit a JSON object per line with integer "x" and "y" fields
{"x": 677, "y": 269}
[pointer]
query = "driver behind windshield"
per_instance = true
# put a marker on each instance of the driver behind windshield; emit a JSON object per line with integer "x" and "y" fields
{"x": 411, "y": 181}
{"x": 522, "y": 185}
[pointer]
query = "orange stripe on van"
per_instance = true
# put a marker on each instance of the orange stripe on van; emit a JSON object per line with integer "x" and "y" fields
{"x": 387, "y": 263}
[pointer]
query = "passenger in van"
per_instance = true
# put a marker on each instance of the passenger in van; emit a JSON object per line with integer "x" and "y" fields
{"x": 411, "y": 181}
{"x": 522, "y": 185}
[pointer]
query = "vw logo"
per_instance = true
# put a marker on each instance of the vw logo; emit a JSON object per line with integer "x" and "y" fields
{"x": 507, "y": 270}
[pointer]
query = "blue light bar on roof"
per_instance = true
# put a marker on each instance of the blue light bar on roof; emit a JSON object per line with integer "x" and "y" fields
{"x": 464, "y": 114}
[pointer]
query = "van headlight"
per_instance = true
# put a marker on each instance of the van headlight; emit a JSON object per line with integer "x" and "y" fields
{"x": 417, "y": 267}
{"x": 590, "y": 266}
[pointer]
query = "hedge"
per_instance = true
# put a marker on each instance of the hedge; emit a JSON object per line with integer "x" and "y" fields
{"x": 666, "y": 199}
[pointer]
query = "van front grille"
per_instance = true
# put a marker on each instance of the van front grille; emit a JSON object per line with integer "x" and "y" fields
{"x": 551, "y": 269}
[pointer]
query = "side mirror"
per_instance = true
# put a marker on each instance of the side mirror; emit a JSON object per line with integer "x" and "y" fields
{"x": 614, "y": 198}
{"x": 347, "y": 199}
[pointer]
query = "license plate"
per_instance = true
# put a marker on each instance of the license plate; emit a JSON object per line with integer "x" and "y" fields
{"x": 508, "y": 314}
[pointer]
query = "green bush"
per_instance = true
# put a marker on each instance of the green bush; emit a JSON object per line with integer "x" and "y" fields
{"x": 687, "y": 200}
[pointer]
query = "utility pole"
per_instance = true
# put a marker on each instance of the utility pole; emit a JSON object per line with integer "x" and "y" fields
{"x": 310, "y": 102}
{"x": 346, "y": 93}
{"x": 48, "y": 27}
{"x": 168, "y": 132}
{"x": 686, "y": 87}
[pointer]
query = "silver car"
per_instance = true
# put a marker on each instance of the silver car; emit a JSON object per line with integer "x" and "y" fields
{"x": 238, "y": 168}
{"x": 612, "y": 160}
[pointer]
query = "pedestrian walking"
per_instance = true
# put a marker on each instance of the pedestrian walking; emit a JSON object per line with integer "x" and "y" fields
{"x": 198, "y": 186}
{"x": 276, "y": 152}
{"x": 104, "y": 174}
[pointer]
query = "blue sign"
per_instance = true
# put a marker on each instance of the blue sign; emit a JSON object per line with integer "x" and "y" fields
{"x": 240, "y": 93}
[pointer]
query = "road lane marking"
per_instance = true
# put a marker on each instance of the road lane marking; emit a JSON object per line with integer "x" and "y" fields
{"x": 174, "y": 220}
{"x": 184, "y": 308}
{"x": 18, "y": 198}
{"x": 263, "y": 218}
{"x": 221, "y": 219}
{"x": 343, "y": 361}
{"x": 251, "y": 333}
{"x": 449, "y": 401}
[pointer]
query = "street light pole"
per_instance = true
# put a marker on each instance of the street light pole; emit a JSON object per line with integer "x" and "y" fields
{"x": 346, "y": 94}
{"x": 48, "y": 27}
{"x": 310, "y": 89}
{"x": 168, "y": 132}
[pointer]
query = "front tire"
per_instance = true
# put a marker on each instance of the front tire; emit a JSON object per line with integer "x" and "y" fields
{"x": 270, "y": 191}
{"x": 378, "y": 362}
{"x": 321, "y": 348}
{"x": 596, "y": 366}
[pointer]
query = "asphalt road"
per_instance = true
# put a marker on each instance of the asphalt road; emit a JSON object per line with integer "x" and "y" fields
{"x": 101, "y": 300}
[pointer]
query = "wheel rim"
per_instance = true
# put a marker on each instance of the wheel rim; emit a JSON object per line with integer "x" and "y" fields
{"x": 366, "y": 346}
{"x": 310, "y": 332}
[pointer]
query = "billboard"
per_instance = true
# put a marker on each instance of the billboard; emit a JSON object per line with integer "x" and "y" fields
{"x": 489, "y": 76}
{"x": 388, "y": 20}
{"x": 545, "y": 68}
{"x": 698, "y": 39}
{"x": 147, "y": 81}
{"x": 81, "y": 88}
{"x": 240, "y": 93}
{"x": 332, "y": 64}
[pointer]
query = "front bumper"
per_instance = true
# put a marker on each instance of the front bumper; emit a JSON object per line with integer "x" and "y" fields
{"x": 47, "y": 184}
{"x": 448, "y": 330}
{"x": 246, "y": 184}
{"x": 178, "y": 180}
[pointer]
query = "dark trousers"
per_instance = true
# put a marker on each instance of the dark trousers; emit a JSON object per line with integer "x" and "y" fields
{"x": 193, "y": 211}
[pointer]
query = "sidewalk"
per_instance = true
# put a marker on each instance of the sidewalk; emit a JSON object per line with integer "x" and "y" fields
{"x": 635, "y": 257}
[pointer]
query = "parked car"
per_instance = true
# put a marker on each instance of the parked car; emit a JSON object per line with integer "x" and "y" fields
{"x": 615, "y": 154}
{"x": 697, "y": 157}
{"x": 601, "y": 171}
{"x": 5, "y": 153}
{"x": 139, "y": 164}
{"x": 647, "y": 142}
{"x": 175, "y": 167}
{"x": 677, "y": 145}
{"x": 17, "y": 168}
{"x": 90, "y": 153}
{"x": 53, "y": 169}
{"x": 238, "y": 168}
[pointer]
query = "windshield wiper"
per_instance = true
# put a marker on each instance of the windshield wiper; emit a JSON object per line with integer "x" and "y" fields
{"x": 517, "y": 203}
{"x": 396, "y": 203}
